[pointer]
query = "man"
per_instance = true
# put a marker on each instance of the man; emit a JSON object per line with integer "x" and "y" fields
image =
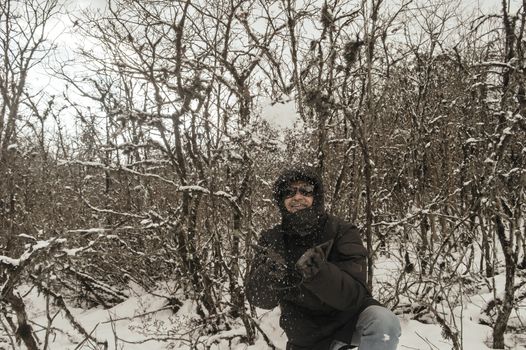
{"x": 313, "y": 265}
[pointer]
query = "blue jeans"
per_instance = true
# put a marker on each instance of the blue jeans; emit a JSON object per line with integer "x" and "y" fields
{"x": 377, "y": 329}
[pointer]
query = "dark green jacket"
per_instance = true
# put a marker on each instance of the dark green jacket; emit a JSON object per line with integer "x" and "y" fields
{"x": 314, "y": 312}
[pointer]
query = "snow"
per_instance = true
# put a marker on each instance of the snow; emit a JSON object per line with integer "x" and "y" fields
{"x": 194, "y": 188}
{"x": 41, "y": 245}
{"x": 73, "y": 252}
{"x": 472, "y": 140}
{"x": 92, "y": 230}
{"x": 9, "y": 261}
{"x": 146, "y": 321}
{"x": 23, "y": 235}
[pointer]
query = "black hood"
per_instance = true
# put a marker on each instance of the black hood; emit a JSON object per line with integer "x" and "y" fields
{"x": 298, "y": 173}
{"x": 305, "y": 221}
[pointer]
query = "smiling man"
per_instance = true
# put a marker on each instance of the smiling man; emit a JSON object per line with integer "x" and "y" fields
{"x": 298, "y": 196}
{"x": 313, "y": 265}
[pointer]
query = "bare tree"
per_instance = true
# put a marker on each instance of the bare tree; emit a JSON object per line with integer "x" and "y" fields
{"x": 415, "y": 126}
{"x": 24, "y": 45}
{"x": 504, "y": 186}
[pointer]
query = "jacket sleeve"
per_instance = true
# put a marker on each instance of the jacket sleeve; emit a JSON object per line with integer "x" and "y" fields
{"x": 341, "y": 281}
{"x": 262, "y": 283}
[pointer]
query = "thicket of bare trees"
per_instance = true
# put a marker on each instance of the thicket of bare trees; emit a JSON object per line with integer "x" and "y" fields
{"x": 155, "y": 165}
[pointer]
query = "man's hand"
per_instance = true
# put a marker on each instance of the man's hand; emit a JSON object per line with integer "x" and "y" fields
{"x": 275, "y": 257}
{"x": 273, "y": 265}
{"x": 309, "y": 264}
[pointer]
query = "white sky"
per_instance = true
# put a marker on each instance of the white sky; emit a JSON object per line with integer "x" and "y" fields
{"x": 484, "y": 4}
{"x": 280, "y": 115}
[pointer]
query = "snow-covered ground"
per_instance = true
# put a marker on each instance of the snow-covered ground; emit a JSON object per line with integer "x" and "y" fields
{"x": 145, "y": 322}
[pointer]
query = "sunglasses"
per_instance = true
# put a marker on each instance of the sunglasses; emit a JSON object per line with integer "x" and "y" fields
{"x": 304, "y": 190}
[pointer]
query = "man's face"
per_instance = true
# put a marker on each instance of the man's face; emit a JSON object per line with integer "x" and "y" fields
{"x": 298, "y": 196}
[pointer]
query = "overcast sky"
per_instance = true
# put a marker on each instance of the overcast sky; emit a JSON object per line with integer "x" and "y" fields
{"x": 484, "y": 4}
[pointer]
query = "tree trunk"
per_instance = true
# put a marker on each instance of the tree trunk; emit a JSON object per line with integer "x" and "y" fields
{"x": 369, "y": 214}
{"x": 486, "y": 251}
{"x": 24, "y": 331}
{"x": 509, "y": 292}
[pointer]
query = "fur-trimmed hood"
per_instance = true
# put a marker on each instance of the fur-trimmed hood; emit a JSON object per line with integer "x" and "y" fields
{"x": 306, "y": 222}
{"x": 299, "y": 173}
